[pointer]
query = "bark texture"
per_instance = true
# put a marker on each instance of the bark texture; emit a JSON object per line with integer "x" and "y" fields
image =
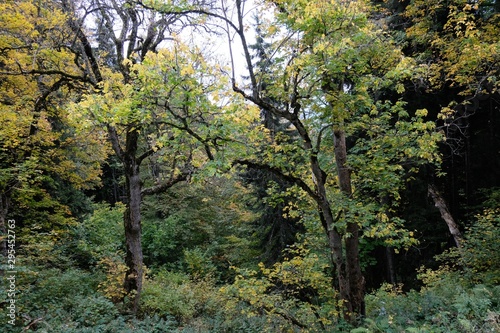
{"x": 132, "y": 221}
{"x": 353, "y": 273}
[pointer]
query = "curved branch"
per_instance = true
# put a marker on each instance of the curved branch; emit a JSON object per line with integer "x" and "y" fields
{"x": 40, "y": 103}
{"x": 87, "y": 47}
{"x": 278, "y": 172}
{"x": 145, "y": 155}
{"x": 183, "y": 176}
{"x": 320, "y": 136}
{"x": 241, "y": 32}
{"x": 189, "y": 11}
{"x": 45, "y": 72}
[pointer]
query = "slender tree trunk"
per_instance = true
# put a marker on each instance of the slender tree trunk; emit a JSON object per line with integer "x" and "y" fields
{"x": 440, "y": 203}
{"x": 353, "y": 269}
{"x": 391, "y": 273}
{"x": 337, "y": 257}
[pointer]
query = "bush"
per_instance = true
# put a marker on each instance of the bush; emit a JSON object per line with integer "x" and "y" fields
{"x": 445, "y": 307}
{"x": 294, "y": 295}
{"x": 481, "y": 249}
{"x": 51, "y": 300}
{"x": 120, "y": 324}
{"x": 101, "y": 234}
{"x": 175, "y": 294}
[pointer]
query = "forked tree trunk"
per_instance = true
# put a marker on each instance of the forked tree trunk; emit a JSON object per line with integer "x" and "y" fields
{"x": 351, "y": 282}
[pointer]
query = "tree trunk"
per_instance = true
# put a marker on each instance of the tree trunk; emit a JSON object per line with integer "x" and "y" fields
{"x": 132, "y": 216}
{"x": 440, "y": 203}
{"x": 132, "y": 219}
{"x": 132, "y": 224}
{"x": 391, "y": 272}
{"x": 355, "y": 277}
{"x": 335, "y": 243}
{"x": 353, "y": 269}
{"x": 348, "y": 270}
{"x": 337, "y": 257}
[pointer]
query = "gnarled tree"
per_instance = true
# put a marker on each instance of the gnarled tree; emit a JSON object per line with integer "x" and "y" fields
{"x": 330, "y": 68}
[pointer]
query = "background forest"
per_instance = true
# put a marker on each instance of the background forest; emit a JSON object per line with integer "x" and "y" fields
{"x": 250, "y": 166}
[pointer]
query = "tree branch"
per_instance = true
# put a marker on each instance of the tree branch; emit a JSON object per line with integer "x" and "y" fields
{"x": 87, "y": 47}
{"x": 145, "y": 155}
{"x": 189, "y": 11}
{"x": 40, "y": 103}
{"x": 115, "y": 141}
{"x": 440, "y": 204}
{"x": 46, "y": 72}
{"x": 320, "y": 136}
{"x": 185, "y": 127}
{"x": 278, "y": 172}
{"x": 183, "y": 176}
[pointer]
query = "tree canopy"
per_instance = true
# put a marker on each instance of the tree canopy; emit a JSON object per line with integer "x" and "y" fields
{"x": 269, "y": 166}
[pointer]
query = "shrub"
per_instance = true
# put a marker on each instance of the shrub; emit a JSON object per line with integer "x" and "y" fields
{"x": 51, "y": 300}
{"x": 115, "y": 270}
{"x": 175, "y": 294}
{"x": 444, "y": 307}
{"x": 481, "y": 248}
{"x": 294, "y": 295}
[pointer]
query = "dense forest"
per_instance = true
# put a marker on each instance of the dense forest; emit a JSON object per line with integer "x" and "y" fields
{"x": 250, "y": 166}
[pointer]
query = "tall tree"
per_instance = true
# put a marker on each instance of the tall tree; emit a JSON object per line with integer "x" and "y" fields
{"x": 41, "y": 142}
{"x": 148, "y": 116}
{"x": 127, "y": 33}
{"x": 277, "y": 229}
{"x": 331, "y": 67}
{"x": 166, "y": 114}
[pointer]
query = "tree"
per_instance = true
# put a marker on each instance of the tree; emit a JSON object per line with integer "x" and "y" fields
{"x": 42, "y": 144}
{"x": 115, "y": 106}
{"x": 166, "y": 114}
{"x": 277, "y": 229}
{"x": 331, "y": 68}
